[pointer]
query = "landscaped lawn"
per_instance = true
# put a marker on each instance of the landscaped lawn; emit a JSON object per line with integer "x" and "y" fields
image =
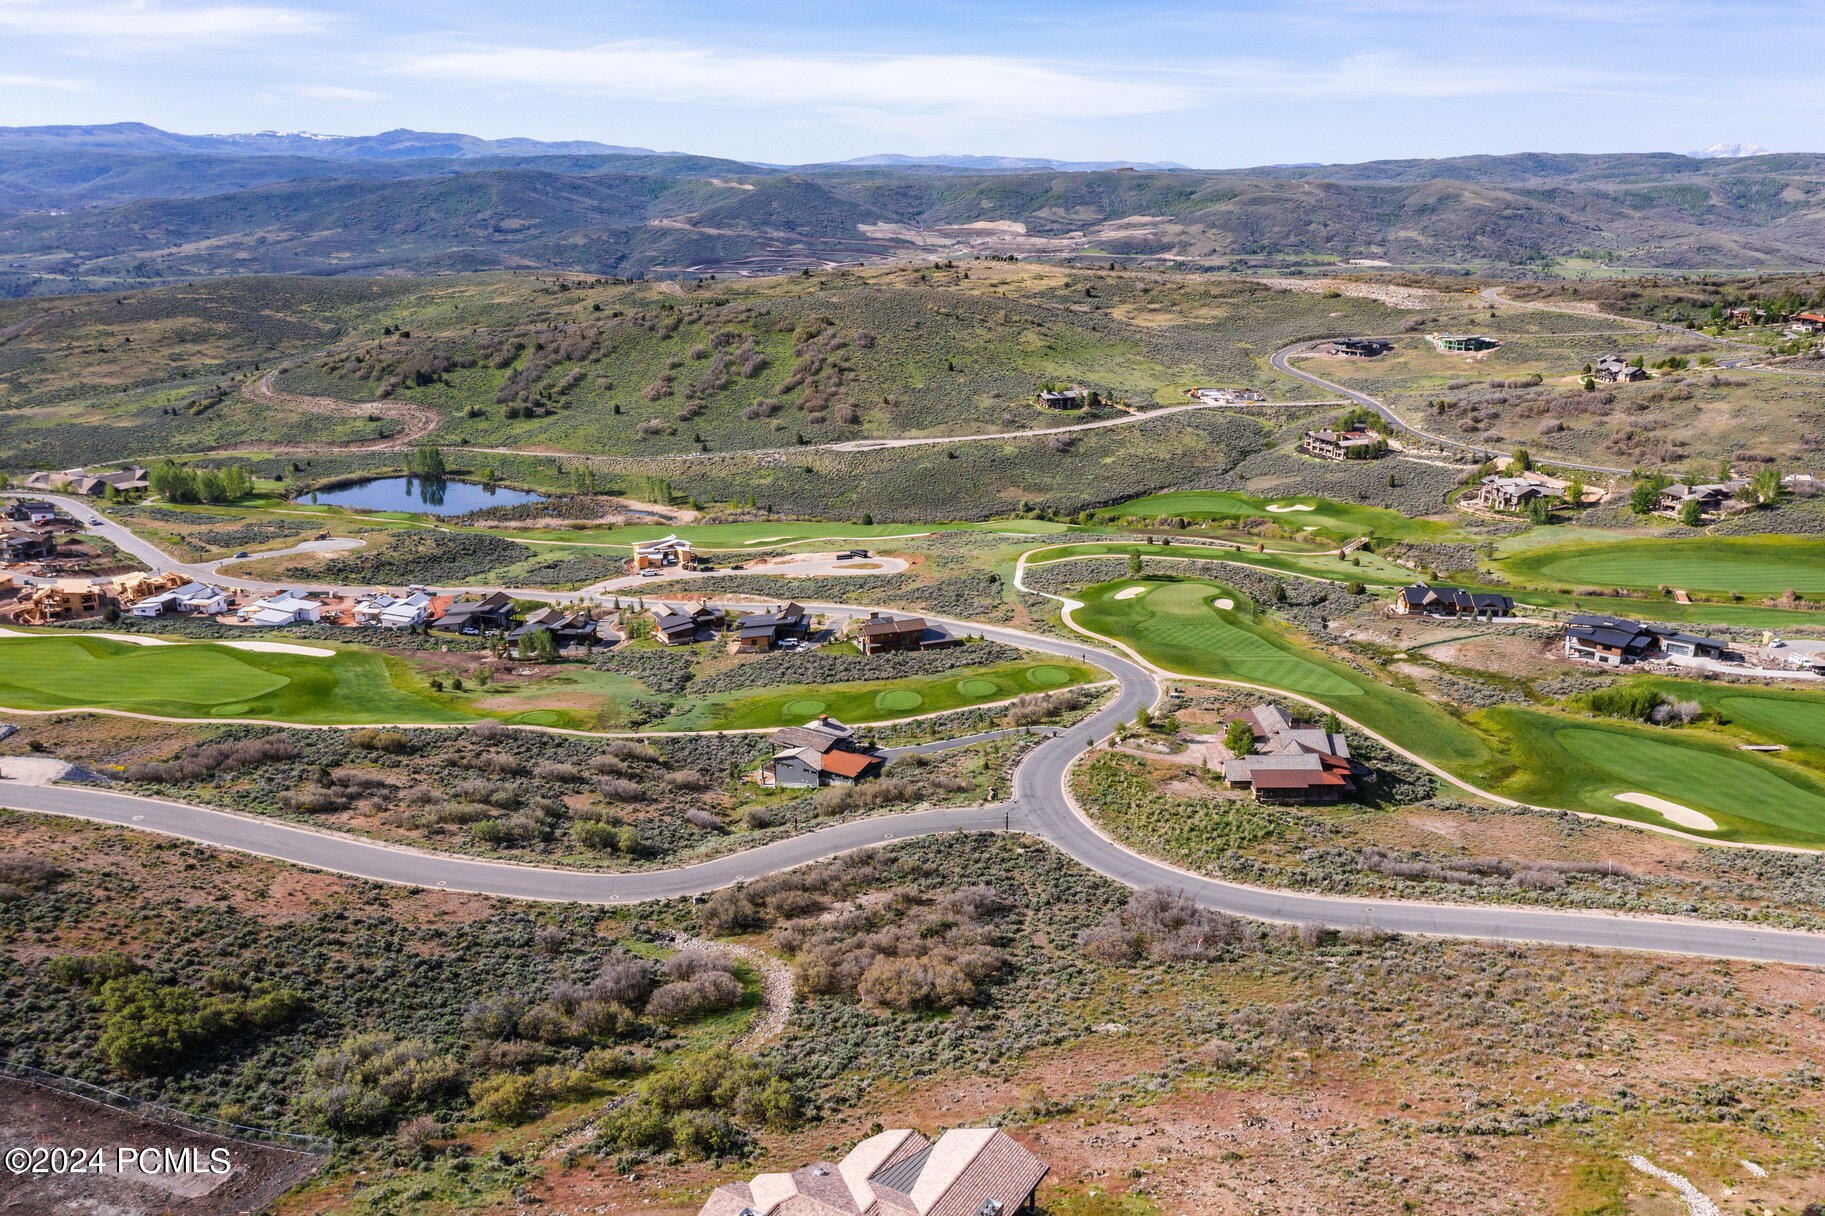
{"x": 1746, "y": 565}
{"x": 1343, "y": 519}
{"x": 880, "y": 700}
{"x": 201, "y": 680}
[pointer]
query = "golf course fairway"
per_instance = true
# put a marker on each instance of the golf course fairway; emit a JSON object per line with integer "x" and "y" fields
{"x": 204, "y": 681}
{"x": 1742, "y": 565}
{"x": 1533, "y": 756}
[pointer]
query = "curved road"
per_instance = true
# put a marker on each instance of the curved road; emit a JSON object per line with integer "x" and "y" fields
{"x": 1279, "y": 361}
{"x": 1041, "y": 806}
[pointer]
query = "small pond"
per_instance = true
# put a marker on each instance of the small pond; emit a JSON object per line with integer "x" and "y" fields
{"x": 433, "y": 496}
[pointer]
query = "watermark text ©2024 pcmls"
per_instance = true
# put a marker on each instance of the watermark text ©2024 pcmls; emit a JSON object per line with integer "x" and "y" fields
{"x": 117, "y": 1159}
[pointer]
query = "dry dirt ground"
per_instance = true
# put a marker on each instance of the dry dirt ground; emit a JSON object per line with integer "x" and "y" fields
{"x": 31, "y": 1116}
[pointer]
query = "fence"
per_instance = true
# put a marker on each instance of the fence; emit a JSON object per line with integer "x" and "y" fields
{"x": 291, "y": 1142}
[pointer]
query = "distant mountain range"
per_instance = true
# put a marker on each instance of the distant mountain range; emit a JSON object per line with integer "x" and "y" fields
{"x": 126, "y": 204}
{"x": 1728, "y": 151}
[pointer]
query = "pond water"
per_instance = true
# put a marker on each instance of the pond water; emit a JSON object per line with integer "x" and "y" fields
{"x": 432, "y": 496}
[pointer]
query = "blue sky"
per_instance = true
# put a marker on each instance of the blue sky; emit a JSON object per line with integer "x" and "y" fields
{"x": 1211, "y": 85}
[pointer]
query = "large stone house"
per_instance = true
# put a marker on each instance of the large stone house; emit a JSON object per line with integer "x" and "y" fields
{"x": 1422, "y": 599}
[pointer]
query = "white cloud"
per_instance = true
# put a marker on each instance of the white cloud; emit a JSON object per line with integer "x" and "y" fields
{"x": 1393, "y": 75}
{"x": 670, "y": 72}
{"x": 153, "y": 22}
{"x": 334, "y": 92}
{"x": 62, "y": 85}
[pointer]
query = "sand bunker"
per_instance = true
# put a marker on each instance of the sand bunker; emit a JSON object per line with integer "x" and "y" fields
{"x": 1225, "y": 602}
{"x": 136, "y": 639}
{"x": 1128, "y": 593}
{"x": 280, "y": 648}
{"x": 1684, "y": 816}
{"x": 764, "y": 540}
{"x": 1289, "y": 506}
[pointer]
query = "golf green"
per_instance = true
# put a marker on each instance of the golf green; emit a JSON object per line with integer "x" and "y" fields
{"x": 900, "y": 700}
{"x": 804, "y": 707}
{"x": 976, "y": 689}
{"x": 1745, "y": 565}
{"x": 1046, "y": 675}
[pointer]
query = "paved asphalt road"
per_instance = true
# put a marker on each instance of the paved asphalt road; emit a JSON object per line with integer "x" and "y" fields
{"x": 1279, "y": 360}
{"x": 1041, "y": 806}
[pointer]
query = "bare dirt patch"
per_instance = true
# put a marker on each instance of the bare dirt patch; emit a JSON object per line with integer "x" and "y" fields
{"x": 31, "y": 1116}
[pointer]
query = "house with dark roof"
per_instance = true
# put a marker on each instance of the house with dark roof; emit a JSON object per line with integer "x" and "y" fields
{"x": 1610, "y": 640}
{"x": 881, "y": 633}
{"x": 1509, "y": 493}
{"x": 33, "y": 513}
{"x": 821, "y": 752}
{"x": 1292, "y": 761}
{"x": 1692, "y": 646}
{"x": 968, "y": 1171}
{"x": 1614, "y": 369}
{"x": 494, "y": 613}
{"x": 1423, "y": 599}
{"x": 1074, "y": 398}
{"x": 26, "y": 545}
{"x": 1712, "y": 497}
{"x": 683, "y": 624}
{"x": 567, "y": 629}
{"x": 1356, "y": 348}
{"x": 765, "y": 630}
{"x": 1465, "y": 343}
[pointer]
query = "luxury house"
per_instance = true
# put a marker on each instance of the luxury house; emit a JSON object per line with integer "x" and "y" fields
{"x": 1609, "y": 640}
{"x": 1293, "y": 762}
{"x": 1616, "y": 641}
{"x": 666, "y": 551}
{"x": 567, "y": 629}
{"x": 883, "y": 633}
{"x": 1355, "y": 348}
{"x": 393, "y": 611}
{"x": 1465, "y": 343}
{"x": 765, "y": 630}
{"x": 1341, "y": 445}
{"x": 492, "y": 614}
{"x": 191, "y": 599}
{"x": 687, "y": 623}
{"x": 821, "y": 752}
{"x": 1509, "y": 493}
{"x": 282, "y": 608}
{"x": 1712, "y": 497}
{"x": 1426, "y": 600}
{"x": 970, "y": 1171}
{"x": 33, "y": 513}
{"x": 1614, "y": 369}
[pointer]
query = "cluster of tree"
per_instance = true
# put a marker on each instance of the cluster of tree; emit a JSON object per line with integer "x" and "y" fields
{"x": 174, "y": 482}
{"x": 148, "y": 1025}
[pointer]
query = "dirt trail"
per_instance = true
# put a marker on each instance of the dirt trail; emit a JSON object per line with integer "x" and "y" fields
{"x": 418, "y": 420}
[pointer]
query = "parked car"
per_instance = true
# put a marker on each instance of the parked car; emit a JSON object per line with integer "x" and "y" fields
{"x": 649, "y": 574}
{"x": 242, "y": 553}
{"x": 94, "y": 523}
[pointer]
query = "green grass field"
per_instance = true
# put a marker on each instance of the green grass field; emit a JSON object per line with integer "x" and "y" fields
{"x": 880, "y": 700}
{"x": 202, "y": 680}
{"x": 1530, "y": 755}
{"x": 1334, "y": 518}
{"x": 1744, "y": 565}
